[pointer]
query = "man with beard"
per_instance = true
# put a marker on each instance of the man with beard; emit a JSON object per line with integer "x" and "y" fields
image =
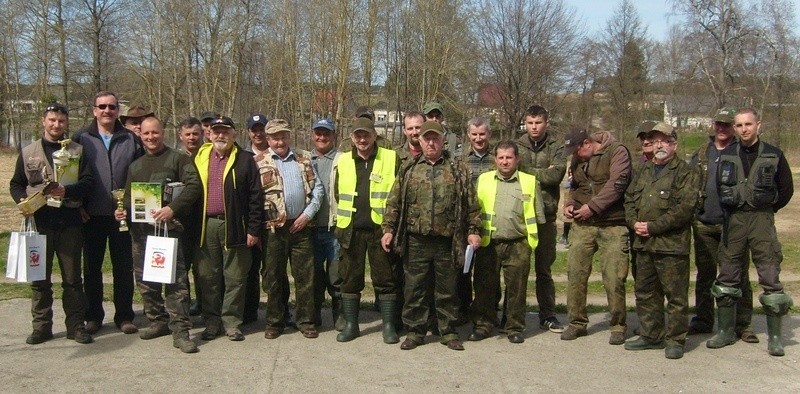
{"x": 659, "y": 205}
{"x": 231, "y": 213}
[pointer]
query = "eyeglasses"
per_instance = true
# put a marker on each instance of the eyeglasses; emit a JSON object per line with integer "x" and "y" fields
{"x": 111, "y": 107}
{"x": 662, "y": 142}
{"x": 56, "y": 108}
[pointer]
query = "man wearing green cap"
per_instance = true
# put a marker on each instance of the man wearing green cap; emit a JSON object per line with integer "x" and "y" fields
{"x": 434, "y": 111}
{"x": 707, "y": 233}
{"x": 364, "y": 178}
{"x": 431, "y": 215}
{"x": 659, "y": 204}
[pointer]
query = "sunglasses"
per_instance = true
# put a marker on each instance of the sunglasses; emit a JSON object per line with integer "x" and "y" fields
{"x": 111, "y": 107}
{"x": 56, "y": 108}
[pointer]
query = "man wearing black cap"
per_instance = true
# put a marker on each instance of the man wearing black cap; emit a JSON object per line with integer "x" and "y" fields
{"x": 61, "y": 225}
{"x": 659, "y": 205}
{"x": 109, "y": 148}
{"x": 258, "y": 144}
{"x": 292, "y": 195}
{"x": 601, "y": 171}
{"x": 707, "y": 232}
{"x": 326, "y": 247}
{"x": 232, "y": 212}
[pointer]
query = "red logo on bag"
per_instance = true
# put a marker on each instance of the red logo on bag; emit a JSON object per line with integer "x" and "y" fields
{"x": 158, "y": 260}
{"x": 34, "y": 258}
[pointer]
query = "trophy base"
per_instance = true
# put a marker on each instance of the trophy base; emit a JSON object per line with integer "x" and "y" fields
{"x": 123, "y": 226}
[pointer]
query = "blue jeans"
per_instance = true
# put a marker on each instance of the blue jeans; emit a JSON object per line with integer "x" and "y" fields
{"x": 326, "y": 265}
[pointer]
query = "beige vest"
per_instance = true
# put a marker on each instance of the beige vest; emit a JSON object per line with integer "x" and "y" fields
{"x": 40, "y": 173}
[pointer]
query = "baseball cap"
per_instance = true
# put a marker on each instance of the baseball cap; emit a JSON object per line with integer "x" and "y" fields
{"x": 324, "y": 123}
{"x": 665, "y": 129}
{"x": 365, "y": 112}
{"x": 208, "y": 116}
{"x": 573, "y": 140}
{"x": 365, "y": 124}
{"x": 255, "y": 119}
{"x": 432, "y": 125}
{"x": 278, "y": 125}
{"x": 135, "y": 112}
{"x": 223, "y": 121}
{"x": 725, "y": 115}
{"x": 432, "y": 106}
{"x": 644, "y": 128}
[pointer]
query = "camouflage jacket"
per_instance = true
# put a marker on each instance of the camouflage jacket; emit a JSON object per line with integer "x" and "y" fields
{"x": 433, "y": 199}
{"x": 666, "y": 201}
{"x": 546, "y": 161}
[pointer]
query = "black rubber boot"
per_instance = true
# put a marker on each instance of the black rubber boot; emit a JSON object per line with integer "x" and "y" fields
{"x": 350, "y": 305}
{"x": 388, "y": 310}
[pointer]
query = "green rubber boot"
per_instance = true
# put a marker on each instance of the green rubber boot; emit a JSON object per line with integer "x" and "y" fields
{"x": 350, "y": 305}
{"x": 388, "y": 310}
{"x": 726, "y": 320}
{"x": 774, "y": 345}
{"x": 775, "y": 306}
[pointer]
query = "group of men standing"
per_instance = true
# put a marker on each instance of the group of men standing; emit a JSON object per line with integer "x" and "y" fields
{"x": 414, "y": 213}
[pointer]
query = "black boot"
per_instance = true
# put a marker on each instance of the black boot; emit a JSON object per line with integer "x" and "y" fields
{"x": 388, "y": 308}
{"x": 336, "y": 312}
{"x": 350, "y": 306}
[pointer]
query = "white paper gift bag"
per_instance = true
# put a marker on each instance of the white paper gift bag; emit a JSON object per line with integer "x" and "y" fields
{"x": 27, "y": 253}
{"x": 160, "y": 257}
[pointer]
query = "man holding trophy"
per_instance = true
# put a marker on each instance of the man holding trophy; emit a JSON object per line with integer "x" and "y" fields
{"x": 54, "y": 166}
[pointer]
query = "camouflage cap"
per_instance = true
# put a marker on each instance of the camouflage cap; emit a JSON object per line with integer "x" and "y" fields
{"x": 665, "y": 129}
{"x": 431, "y": 125}
{"x": 725, "y": 115}
{"x": 432, "y": 106}
{"x": 277, "y": 125}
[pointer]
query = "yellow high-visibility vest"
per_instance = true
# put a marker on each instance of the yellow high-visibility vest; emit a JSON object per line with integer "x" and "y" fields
{"x": 487, "y": 191}
{"x": 380, "y": 183}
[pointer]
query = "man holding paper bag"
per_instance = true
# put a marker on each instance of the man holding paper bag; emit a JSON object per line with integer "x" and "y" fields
{"x": 509, "y": 214}
{"x": 62, "y": 226}
{"x": 159, "y": 166}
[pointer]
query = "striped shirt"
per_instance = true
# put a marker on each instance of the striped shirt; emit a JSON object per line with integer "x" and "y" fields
{"x": 294, "y": 193}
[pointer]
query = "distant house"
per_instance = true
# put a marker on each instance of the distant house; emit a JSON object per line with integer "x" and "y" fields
{"x": 689, "y": 111}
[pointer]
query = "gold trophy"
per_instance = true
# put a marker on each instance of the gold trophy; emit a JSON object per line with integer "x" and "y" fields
{"x": 119, "y": 194}
{"x": 60, "y": 163}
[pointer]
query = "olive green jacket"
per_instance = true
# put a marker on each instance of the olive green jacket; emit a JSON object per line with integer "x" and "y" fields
{"x": 546, "y": 161}
{"x": 667, "y": 203}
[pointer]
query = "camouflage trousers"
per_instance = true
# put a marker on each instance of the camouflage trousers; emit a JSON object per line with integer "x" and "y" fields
{"x": 367, "y": 243}
{"x": 612, "y": 244}
{"x": 660, "y": 276}
{"x": 428, "y": 262}
{"x": 66, "y": 244}
{"x": 513, "y": 258}
{"x": 175, "y": 311}
{"x": 707, "y": 238}
{"x": 284, "y": 248}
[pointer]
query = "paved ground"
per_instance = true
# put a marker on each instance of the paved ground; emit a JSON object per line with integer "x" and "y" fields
{"x": 291, "y": 363}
